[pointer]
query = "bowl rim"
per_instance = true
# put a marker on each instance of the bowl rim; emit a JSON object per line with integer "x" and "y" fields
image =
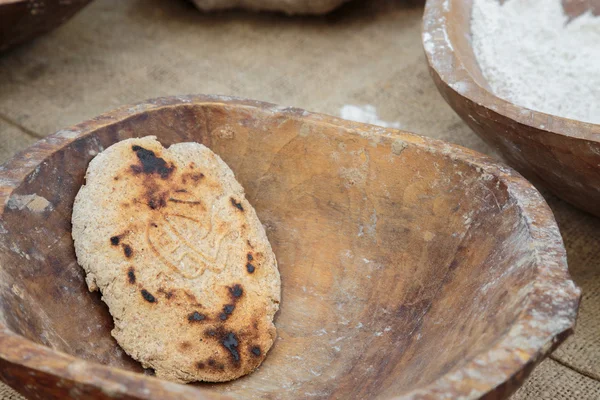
{"x": 546, "y": 320}
{"x": 26, "y": 18}
{"x": 444, "y": 62}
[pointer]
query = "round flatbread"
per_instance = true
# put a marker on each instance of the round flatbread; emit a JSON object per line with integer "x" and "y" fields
{"x": 180, "y": 258}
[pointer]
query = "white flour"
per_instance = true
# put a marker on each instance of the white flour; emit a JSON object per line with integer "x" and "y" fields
{"x": 366, "y": 114}
{"x": 532, "y": 55}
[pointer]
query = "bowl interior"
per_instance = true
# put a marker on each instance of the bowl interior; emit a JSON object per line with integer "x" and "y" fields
{"x": 398, "y": 263}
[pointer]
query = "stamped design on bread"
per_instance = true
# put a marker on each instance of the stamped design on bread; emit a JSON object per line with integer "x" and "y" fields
{"x": 178, "y": 253}
{"x": 179, "y": 210}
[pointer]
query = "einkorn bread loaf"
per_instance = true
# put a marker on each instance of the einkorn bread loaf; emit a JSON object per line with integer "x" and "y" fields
{"x": 180, "y": 258}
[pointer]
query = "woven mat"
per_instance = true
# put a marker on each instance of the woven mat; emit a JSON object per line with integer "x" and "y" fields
{"x": 119, "y": 52}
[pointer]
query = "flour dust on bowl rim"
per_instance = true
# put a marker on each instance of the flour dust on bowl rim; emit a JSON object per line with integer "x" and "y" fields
{"x": 411, "y": 268}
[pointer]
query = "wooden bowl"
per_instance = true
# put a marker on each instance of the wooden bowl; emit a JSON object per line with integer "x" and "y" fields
{"x": 410, "y": 267}
{"x": 21, "y": 20}
{"x": 560, "y": 153}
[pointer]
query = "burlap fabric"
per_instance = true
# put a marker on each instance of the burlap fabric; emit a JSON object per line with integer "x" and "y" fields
{"x": 117, "y": 52}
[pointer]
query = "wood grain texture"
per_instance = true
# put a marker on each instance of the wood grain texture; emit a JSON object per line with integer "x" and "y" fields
{"x": 409, "y": 267}
{"x": 21, "y": 20}
{"x": 560, "y": 153}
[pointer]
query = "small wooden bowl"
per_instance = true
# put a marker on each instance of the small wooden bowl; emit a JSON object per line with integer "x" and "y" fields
{"x": 560, "y": 153}
{"x": 21, "y": 20}
{"x": 410, "y": 267}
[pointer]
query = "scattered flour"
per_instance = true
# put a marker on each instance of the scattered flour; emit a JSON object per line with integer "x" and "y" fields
{"x": 366, "y": 114}
{"x": 535, "y": 56}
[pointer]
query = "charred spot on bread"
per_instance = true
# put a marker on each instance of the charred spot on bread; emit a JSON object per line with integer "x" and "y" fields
{"x": 127, "y": 250}
{"x": 155, "y": 199}
{"x": 196, "y": 317}
{"x": 228, "y": 310}
{"x": 236, "y": 291}
{"x": 150, "y": 163}
{"x": 210, "y": 333}
{"x": 131, "y": 275}
{"x": 255, "y": 350}
{"x": 115, "y": 240}
{"x": 250, "y": 268}
{"x": 236, "y": 204}
{"x": 215, "y": 365}
{"x": 249, "y": 257}
{"x": 230, "y": 342}
{"x": 148, "y": 296}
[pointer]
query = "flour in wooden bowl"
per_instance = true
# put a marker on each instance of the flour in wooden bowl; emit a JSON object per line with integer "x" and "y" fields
{"x": 534, "y": 55}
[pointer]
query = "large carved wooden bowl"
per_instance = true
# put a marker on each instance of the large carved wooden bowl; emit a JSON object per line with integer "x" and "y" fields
{"x": 21, "y": 20}
{"x": 560, "y": 153}
{"x": 410, "y": 267}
